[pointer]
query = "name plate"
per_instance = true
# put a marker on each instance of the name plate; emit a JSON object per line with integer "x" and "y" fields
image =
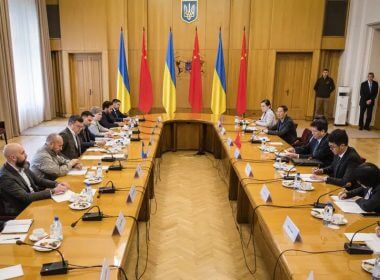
{"x": 138, "y": 171}
{"x": 222, "y": 131}
{"x": 159, "y": 119}
{"x": 265, "y": 194}
{"x": 120, "y": 224}
{"x": 230, "y": 142}
{"x": 131, "y": 195}
{"x": 151, "y": 140}
{"x": 237, "y": 154}
{"x": 143, "y": 154}
{"x": 311, "y": 276}
{"x": 105, "y": 272}
{"x": 248, "y": 170}
{"x": 291, "y": 230}
{"x": 219, "y": 124}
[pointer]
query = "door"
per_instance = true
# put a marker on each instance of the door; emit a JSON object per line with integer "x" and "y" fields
{"x": 86, "y": 81}
{"x": 291, "y": 84}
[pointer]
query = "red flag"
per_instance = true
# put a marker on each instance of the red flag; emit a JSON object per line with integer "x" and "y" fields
{"x": 241, "y": 102}
{"x": 195, "y": 90}
{"x": 146, "y": 91}
{"x": 237, "y": 140}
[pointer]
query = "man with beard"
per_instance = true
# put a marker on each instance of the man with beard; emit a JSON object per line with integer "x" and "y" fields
{"x": 19, "y": 186}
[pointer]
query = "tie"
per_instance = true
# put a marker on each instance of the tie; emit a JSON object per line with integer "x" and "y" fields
{"x": 337, "y": 166}
{"x": 370, "y": 86}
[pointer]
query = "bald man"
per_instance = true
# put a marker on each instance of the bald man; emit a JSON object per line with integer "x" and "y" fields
{"x": 19, "y": 186}
{"x": 49, "y": 163}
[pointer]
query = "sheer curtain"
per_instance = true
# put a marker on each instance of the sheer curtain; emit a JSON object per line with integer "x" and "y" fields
{"x": 26, "y": 47}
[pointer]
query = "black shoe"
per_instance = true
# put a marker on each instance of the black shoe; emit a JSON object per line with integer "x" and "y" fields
{"x": 360, "y": 128}
{"x": 367, "y": 128}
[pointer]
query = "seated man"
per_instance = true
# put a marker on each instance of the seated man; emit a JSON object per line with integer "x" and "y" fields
{"x": 19, "y": 186}
{"x": 367, "y": 176}
{"x": 71, "y": 143}
{"x": 48, "y": 161}
{"x": 87, "y": 139}
{"x": 346, "y": 159}
{"x": 284, "y": 127}
{"x": 318, "y": 146}
{"x": 95, "y": 127}
{"x": 117, "y": 115}
{"x": 107, "y": 119}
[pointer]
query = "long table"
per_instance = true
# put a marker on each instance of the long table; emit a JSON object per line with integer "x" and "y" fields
{"x": 90, "y": 242}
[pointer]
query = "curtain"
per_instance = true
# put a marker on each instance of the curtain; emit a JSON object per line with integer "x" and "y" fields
{"x": 47, "y": 71}
{"x": 28, "y": 68}
{"x": 56, "y": 58}
{"x": 8, "y": 107}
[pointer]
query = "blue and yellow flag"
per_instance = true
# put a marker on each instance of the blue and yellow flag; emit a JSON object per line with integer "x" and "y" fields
{"x": 123, "y": 88}
{"x": 169, "y": 83}
{"x": 218, "y": 98}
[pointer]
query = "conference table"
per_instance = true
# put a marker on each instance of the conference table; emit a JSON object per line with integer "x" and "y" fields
{"x": 89, "y": 243}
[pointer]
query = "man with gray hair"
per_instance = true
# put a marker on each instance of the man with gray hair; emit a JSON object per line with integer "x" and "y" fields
{"x": 49, "y": 163}
{"x": 19, "y": 186}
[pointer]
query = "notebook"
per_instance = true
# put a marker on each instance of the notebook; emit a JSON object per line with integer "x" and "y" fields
{"x": 306, "y": 162}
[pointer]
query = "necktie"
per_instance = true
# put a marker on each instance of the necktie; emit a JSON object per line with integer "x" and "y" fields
{"x": 370, "y": 86}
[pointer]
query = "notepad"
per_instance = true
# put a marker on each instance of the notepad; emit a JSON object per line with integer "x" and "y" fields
{"x": 11, "y": 238}
{"x": 76, "y": 172}
{"x": 17, "y": 226}
{"x": 63, "y": 196}
{"x": 349, "y": 207}
{"x": 11, "y": 272}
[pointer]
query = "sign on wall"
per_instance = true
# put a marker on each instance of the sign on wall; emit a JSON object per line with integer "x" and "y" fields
{"x": 189, "y": 10}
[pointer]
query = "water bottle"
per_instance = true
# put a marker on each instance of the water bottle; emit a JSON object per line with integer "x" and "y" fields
{"x": 376, "y": 269}
{"x": 56, "y": 229}
{"x": 297, "y": 182}
{"x": 277, "y": 165}
{"x": 327, "y": 214}
{"x": 263, "y": 145}
{"x": 236, "y": 120}
{"x": 99, "y": 170}
{"x": 88, "y": 192}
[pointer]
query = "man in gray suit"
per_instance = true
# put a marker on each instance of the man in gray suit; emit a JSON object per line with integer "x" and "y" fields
{"x": 19, "y": 186}
{"x": 71, "y": 143}
{"x": 48, "y": 161}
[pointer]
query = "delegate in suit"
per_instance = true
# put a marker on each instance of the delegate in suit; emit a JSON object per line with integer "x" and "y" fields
{"x": 71, "y": 143}
{"x": 285, "y": 127}
{"x": 368, "y": 93}
{"x": 19, "y": 186}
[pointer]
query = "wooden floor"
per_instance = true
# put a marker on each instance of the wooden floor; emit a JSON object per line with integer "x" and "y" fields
{"x": 193, "y": 234}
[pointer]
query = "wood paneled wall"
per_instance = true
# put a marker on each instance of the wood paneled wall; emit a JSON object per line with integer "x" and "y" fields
{"x": 271, "y": 26}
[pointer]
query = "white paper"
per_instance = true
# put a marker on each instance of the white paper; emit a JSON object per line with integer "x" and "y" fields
{"x": 11, "y": 272}
{"x": 91, "y": 157}
{"x": 11, "y": 238}
{"x": 306, "y": 178}
{"x": 62, "y": 197}
{"x": 291, "y": 229}
{"x": 361, "y": 236}
{"x": 95, "y": 149}
{"x": 265, "y": 193}
{"x": 76, "y": 172}
{"x": 104, "y": 167}
{"x": 17, "y": 226}
{"x": 275, "y": 143}
{"x": 374, "y": 245}
{"x": 336, "y": 198}
{"x": 19, "y": 222}
{"x": 349, "y": 207}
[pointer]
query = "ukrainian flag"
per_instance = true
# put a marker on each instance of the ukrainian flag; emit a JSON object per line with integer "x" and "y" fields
{"x": 123, "y": 88}
{"x": 218, "y": 99}
{"x": 169, "y": 83}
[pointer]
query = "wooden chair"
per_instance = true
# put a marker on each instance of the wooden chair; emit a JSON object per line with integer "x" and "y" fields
{"x": 304, "y": 139}
{"x": 3, "y": 131}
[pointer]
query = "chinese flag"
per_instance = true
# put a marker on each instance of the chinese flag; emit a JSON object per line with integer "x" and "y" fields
{"x": 241, "y": 102}
{"x": 195, "y": 89}
{"x": 146, "y": 92}
{"x": 237, "y": 140}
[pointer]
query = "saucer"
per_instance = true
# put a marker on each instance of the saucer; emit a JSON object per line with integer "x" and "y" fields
{"x": 80, "y": 205}
{"x": 34, "y": 238}
{"x": 48, "y": 243}
{"x": 92, "y": 181}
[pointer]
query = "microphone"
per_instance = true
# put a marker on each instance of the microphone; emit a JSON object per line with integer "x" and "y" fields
{"x": 53, "y": 268}
{"x": 115, "y": 167}
{"x": 358, "y": 248}
{"x": 287, "y": 177}
{"x": 317, "y": 204}
{"x": 109, "y": 159}
{"x": 97, "y": 216}
{"x": 107, "y": 189}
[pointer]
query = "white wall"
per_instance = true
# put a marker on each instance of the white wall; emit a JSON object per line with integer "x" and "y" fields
{"x": 356, "y": 59}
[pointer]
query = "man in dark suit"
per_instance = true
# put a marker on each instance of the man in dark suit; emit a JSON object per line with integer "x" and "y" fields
{"x": 19, "y": 186}
{"x": 318, "y": 146}
{"x": 368, "y": 93}
{"x": 323, "y": 88}
{"x": 107, "y": 119}
{"x": 118, "y": 116}
{"x": 346, "y": 160}
{"x": 367, "y": 176}
{"x": 284, "y": 127}
{"x": 87, "y": 139}
{"x": 71, "y": 142}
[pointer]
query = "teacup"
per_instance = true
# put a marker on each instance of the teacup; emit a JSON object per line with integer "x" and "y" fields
{"x": 90, "y": 174}
{"x": 307, "y": 186}
{"x": 39, "y": 232}
{"x": 337, "y": 219}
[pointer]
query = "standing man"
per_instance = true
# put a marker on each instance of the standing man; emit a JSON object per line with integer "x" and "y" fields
{"x": 323, "y": 87}
{"x": 368, "y": 93}
{"x": 71, "y": 143}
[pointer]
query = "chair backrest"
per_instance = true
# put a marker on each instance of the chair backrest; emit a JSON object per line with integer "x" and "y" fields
{"x": 2, "y": 124}
{"x": 306, "y": 135}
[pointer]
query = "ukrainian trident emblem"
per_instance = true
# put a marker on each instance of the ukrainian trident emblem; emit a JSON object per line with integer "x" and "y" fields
{"x": 189, "y": 10}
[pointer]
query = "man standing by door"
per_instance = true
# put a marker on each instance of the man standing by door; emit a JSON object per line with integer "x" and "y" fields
{"x": 368, "y": 93}
{"x": 323, "y": 87}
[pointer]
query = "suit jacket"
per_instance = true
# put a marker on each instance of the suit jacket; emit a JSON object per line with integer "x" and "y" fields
{"x": 340, "y": 171}
{"x": 371, "y": 204}
{"x": 366, "y": 94}
{"x": 286, "y": 130}
{"x": 107, "y": 121}
{"x": 324, "y": 87}
{"x": 15, "y": 195}
{"x": 69, "y": 149}
{"x": 47, "y": 164}
{"x": 322, "y": 152}
{"x": 118, "y": 116}
{"x": 87, "y": 139}
{"x": 96, "y": 129}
